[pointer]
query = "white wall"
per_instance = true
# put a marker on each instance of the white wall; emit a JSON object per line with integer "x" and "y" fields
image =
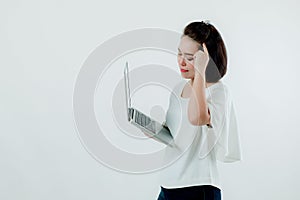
{"x": 42, "y": 47}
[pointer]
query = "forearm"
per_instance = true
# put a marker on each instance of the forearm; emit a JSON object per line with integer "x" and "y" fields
{"x": 197, "y": 107}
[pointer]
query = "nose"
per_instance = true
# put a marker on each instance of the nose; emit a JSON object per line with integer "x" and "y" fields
{"x": 181, "y": 60}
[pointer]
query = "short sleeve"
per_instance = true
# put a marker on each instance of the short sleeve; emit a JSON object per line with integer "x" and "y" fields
{"x": 223, "y": 135}
{"x": 173, "y": 114}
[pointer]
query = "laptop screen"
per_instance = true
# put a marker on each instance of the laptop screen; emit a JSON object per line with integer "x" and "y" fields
{"x": 127, "y": 90}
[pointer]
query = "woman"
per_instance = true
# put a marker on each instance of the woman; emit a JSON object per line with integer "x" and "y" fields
{"x": 202, "y": 113}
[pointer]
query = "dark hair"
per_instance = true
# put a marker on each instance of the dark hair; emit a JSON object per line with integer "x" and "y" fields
{"x": 203, "y": 32}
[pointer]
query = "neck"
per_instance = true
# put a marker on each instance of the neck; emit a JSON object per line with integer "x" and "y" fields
{"x": 206, "y": 84}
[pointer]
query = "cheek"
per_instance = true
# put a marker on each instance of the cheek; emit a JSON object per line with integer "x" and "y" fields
{"x": 190, "y": 65}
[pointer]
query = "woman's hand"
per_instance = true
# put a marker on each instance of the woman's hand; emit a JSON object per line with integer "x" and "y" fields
{"x": 150, "y": 136}
{"x": 201, "y": 61}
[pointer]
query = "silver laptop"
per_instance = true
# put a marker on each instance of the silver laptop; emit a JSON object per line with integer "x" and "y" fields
{"x": 146, "y": 124}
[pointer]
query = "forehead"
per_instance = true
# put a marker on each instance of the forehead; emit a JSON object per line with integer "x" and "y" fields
{"x": 187, "y": 44}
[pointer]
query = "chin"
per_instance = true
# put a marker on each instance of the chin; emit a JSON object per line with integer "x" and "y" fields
{"x": 186, "y": 76}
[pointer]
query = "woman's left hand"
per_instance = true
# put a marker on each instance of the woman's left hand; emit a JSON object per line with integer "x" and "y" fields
{"x": 201, "y": 60}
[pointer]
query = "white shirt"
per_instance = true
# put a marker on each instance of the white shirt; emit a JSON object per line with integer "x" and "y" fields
{"x": 193, "y": 160}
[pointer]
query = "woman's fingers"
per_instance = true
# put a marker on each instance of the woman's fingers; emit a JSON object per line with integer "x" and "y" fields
{"x": 204, "y": 48}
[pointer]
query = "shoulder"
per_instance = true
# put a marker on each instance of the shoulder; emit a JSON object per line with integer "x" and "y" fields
{"x": 181, "y": 83}
{"x": 219, "y": 91}
{"x": 179, "y": 86}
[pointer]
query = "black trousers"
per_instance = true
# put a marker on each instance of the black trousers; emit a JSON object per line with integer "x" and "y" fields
{"x": 201, "y": 192}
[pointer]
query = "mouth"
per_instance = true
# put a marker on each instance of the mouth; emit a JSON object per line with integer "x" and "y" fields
{"x": 184, "y": 70}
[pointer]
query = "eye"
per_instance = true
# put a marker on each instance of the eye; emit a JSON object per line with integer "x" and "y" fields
{"x": 190, "y": 59}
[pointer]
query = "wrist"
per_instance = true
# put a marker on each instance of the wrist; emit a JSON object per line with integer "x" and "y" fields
{"x": 199, "y": 74}
{"x": 199, "y": 80}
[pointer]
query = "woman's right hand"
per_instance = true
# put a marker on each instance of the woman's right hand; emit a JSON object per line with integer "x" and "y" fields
{"x": 151, "y": 136}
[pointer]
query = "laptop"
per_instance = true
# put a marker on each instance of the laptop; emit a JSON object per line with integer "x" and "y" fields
{"x": 153, "y": 128}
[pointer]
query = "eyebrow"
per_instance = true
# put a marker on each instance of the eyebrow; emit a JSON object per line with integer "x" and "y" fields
{"x": 190, "y": 54}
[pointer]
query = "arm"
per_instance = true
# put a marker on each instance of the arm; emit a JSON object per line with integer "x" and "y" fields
{"x": 198, "y": 113}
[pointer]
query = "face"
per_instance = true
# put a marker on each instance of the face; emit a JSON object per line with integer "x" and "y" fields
{"x": 186, "y": 50}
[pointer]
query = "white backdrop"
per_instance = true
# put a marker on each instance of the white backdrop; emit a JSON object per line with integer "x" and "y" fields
{"x": 43, "y": 45}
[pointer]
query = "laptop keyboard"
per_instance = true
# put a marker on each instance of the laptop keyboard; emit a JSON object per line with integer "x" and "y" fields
{"x": 144, "y": 121}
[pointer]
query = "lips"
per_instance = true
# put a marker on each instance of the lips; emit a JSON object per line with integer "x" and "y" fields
{"x": 184, "y": 70}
